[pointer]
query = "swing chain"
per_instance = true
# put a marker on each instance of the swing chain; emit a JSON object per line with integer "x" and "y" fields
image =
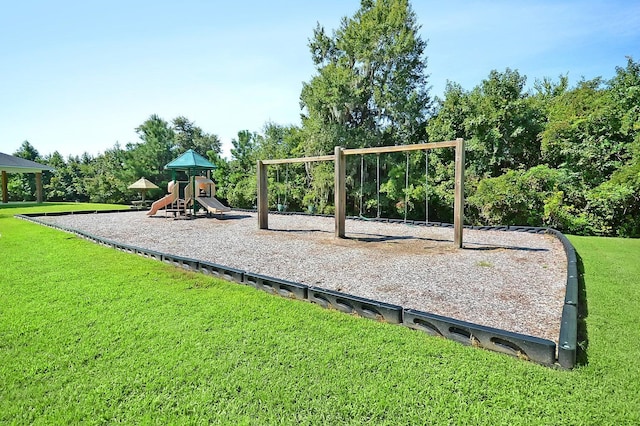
{"x": 426, "y": 186}
{"x": 278, "y": 181}
{"x": 361, "y": 182}
{"x": 406, "y": 189}
{"x": 378, "y": 184}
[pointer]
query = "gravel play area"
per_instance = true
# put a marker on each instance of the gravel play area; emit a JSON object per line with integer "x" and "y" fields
{"x": 509, "y": 280}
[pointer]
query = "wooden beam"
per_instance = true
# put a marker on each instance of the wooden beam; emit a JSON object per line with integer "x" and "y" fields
{"x": 400, "y": 148}
{"x": 340, "y": 190}
{"x": 262, "y": 201}
{"x": 39, "y": 187}
{"x": 359, "y": 151}
{"x": 299, "y": 160}
{"x": 5, "y": 191}
{"x": 458, "y": 202}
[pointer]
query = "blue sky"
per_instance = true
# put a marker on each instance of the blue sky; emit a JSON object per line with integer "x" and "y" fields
{"x": 79, "y": 76}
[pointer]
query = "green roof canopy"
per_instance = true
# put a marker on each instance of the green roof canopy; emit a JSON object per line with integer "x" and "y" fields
{"x": 190, "y": 160}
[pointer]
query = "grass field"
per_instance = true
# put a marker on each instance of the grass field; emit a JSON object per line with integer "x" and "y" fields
{"x": 92, "y": 335}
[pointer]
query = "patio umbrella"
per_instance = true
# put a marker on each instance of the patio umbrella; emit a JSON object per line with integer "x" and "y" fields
{"x": 142, "y": 184}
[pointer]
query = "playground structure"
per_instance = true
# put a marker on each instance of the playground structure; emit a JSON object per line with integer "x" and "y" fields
{"x": 197, "y": 190}
{"x": 340, "y": 194}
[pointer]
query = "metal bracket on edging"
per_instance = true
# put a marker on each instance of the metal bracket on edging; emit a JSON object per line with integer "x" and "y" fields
{"x": 567, "y": 345}
{"x": 277, "y": 286}
{"x": 535, "y": 349}
{"x": 181, "y": 262}
{"x": 125, "y": 248}
{"x": 150, "y": 254}
{"x": 222, "y": 272}
{"x": 353, "y": 304}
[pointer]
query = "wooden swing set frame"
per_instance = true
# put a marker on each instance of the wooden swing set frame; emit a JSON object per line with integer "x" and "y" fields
{"x": 339, "y": 159}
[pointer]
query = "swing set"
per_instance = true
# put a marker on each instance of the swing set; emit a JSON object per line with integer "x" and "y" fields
{"x": 406, "y": 187}
{"x": 339, "y": 159}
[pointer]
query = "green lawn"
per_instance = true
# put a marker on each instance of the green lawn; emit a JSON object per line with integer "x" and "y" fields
{"x": 93, "y": 335}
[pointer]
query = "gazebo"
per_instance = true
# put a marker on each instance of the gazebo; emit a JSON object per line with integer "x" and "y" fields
{"x": 11, "y": 164}
{"x": 143, "y": 185}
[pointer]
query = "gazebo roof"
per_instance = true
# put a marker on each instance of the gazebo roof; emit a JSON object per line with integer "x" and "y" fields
{"x": 190, "y": 160}
{"x": 143, "y": 183}
{"x": 11, "y": 164}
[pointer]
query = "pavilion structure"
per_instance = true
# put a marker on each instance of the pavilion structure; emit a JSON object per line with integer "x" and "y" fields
{"x": 11, "y": 164}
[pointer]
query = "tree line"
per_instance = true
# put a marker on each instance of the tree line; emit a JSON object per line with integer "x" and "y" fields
{"x": 549, "y": 155}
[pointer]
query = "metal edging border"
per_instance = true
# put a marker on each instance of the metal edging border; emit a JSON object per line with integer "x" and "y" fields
{"x": 532, "y": 348}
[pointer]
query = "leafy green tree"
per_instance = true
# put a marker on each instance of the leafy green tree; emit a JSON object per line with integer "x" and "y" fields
{"x": 295, "y": 182}
{"x": 148, "y": 157}
{"x": 244, "y": 151}
{"x": 279, "y": 141}
{"x": 321, "y": 187}
{"x": 450, "y": 121}
{"x": 371, "y": 88}
{"x": 625, "y": 93}
{"x": 614, "y": 205}
{"x": 108, "y": 180}
{"x": 57, "y": 185}
{"x": 451, "y": 112}
{"x": 583, "y": 133}
{"x": 589, "y": 144}
{"x": 220, "y": 176}
{"x": 504, "y": 126}
{"x": 27, "y": 151}
{"x": 79, "y": 168}
{"x": 548, "y": 89}
{"x": 242, "y": 190}
{"x": 189, "y": 136}
{"x": 518, "y": 197}
{"x": 500, "y": 123}
{"x": 22, "y": 186}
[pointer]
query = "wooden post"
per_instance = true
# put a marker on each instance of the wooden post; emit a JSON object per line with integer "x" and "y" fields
{"x": 340, "y": 191}
{"x": 5, "y": 191}
{"x": 38, "y": 187}
{"x": 263, "y": 205}
{"x": 458, "y": 203}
